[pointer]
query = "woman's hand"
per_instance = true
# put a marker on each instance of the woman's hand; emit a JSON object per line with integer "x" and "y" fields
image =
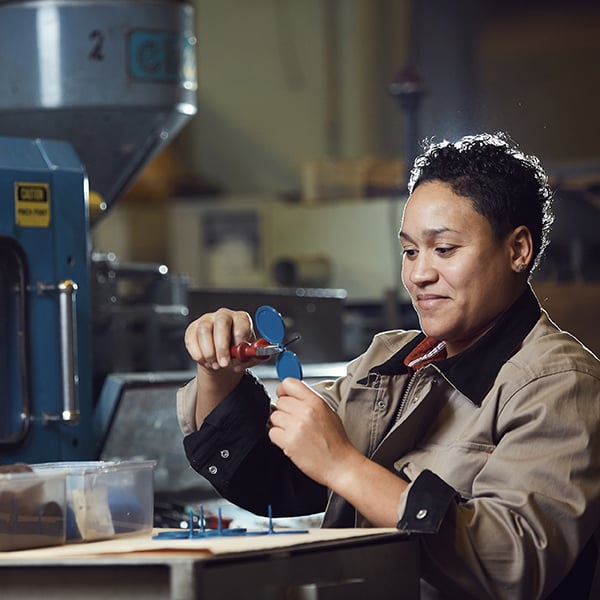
{"x": 310, "y": 433}
{"x": 208, "y": 341}
{"x": 314, "y": 438}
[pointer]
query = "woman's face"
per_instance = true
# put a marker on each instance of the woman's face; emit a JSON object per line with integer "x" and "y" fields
{"x": 460, "y": 277}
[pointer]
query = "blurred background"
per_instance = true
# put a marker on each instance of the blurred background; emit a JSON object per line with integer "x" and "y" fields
{"x": 292, "y": 173}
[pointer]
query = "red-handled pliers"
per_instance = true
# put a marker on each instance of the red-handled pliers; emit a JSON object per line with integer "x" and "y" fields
{"x": 261, "y": 348}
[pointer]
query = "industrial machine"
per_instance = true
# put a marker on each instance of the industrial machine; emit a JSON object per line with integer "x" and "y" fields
{"x": 43, "y": 236}
{"x": 91, "y": 90}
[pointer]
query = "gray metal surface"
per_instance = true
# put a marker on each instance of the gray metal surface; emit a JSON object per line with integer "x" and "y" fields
{"x": 115, "y": 78}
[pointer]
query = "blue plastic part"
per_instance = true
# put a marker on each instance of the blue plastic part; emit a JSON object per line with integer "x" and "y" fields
{"x": 191, "y": 534}
{"x": 270, "y": 325}
{"x": 287, "y": 364}
{"x": 184, "y": 534}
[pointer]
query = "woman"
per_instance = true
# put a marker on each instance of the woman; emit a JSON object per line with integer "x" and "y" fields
{"x": 480, "y": 431}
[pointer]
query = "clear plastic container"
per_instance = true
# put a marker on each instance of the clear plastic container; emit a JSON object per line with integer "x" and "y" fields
{"x": 32, "y": 510}
{"x": 106, "y": 499}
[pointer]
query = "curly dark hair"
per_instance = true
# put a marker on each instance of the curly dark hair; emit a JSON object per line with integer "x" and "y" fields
{"x": 507, "y": 187}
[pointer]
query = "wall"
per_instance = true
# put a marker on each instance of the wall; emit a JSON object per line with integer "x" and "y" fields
{"x": 538, "y": 76}
{"x": 282, "y": 81}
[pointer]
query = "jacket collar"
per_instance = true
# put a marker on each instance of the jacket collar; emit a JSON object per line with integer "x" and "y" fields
{"x": 474, "y": 370}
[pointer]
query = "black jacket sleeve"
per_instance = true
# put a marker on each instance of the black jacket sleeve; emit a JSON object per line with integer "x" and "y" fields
{"x": 233, "y": 452}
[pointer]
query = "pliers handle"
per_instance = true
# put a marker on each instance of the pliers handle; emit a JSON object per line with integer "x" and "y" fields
{"x": 261, "y": 348}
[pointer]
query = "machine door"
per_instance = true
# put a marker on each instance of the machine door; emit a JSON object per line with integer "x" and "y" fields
{"x": 15, "y": 400}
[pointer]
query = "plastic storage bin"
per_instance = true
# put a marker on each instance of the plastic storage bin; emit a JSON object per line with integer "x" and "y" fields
{"x": 32, "y": 510}
{"x": 106, "y": 499}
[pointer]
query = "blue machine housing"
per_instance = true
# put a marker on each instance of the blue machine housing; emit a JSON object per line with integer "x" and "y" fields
{"x": 43, "y": 241}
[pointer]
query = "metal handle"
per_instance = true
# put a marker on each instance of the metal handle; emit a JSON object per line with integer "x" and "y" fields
{"x": 68, "y": 351}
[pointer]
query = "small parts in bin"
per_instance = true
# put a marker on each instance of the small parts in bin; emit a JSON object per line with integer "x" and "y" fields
{"x": 31, "y": 509}
{"x": 271, "y": 327}
{"x": 15, "y": 468}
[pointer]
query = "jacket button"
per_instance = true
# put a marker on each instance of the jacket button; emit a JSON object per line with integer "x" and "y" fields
{"x": 224, "y": 453}
{"x": 212, "y": 470}
{"x": 422, "y": 514}
{"x": 381, "y": 404}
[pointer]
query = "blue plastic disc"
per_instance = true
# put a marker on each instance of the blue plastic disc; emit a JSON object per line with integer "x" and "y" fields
{"x": 288, "y": 365}
{"x": 270, "y": 324}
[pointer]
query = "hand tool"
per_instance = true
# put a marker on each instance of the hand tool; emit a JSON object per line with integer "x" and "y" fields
{"x": 271, "y": 328}
{"x": 259, "y": 348}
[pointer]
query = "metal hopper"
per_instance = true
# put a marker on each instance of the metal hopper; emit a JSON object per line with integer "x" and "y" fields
{"x": 115, "y": 78}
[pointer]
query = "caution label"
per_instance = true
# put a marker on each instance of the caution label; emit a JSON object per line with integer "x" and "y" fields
{"x": 32, "y": 204}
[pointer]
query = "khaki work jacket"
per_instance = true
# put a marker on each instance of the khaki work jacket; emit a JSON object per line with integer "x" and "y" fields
{"x": 501, "y": 445}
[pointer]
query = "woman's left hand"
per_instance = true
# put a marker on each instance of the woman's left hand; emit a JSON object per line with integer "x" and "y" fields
{"x": 313, "y": 437}
{"x": 310, "y": 433}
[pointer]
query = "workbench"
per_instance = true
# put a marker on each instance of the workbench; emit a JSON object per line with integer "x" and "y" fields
{"x": 319, "y": 564}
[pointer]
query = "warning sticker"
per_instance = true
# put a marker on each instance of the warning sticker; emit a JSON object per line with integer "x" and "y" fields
{"x": 32, "y": 204}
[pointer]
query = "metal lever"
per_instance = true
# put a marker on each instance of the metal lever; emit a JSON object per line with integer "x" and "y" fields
{"x": 68, "y": 350}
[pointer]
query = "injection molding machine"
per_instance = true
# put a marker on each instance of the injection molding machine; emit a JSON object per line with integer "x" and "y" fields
{"x": 91, "y": 91}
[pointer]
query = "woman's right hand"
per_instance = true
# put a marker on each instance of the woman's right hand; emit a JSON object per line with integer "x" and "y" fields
{"x": 209, "y": 340}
